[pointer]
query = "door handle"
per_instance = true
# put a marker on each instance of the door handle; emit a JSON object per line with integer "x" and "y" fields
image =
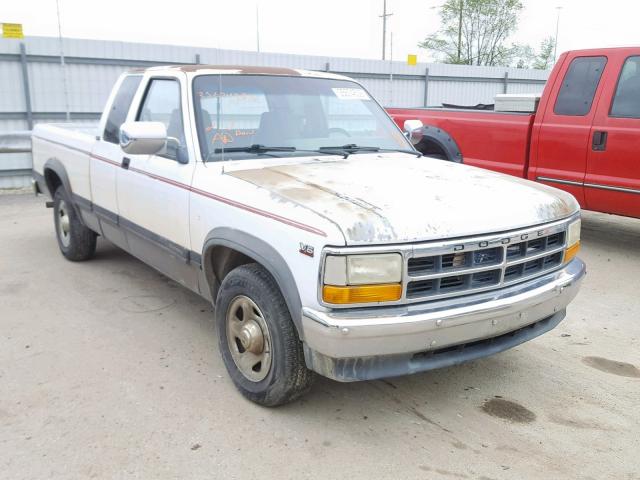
{"x": 599, "y": 143}
{"x": 125, "y": 163}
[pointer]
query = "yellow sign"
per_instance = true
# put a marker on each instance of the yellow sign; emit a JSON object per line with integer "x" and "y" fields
{"x": 412, "y": 59}
{"x": 12, "y": 30}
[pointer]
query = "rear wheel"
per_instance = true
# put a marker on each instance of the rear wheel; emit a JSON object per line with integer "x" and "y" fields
{"x": 76, "y": 241}
{"x": 258, "y": 341}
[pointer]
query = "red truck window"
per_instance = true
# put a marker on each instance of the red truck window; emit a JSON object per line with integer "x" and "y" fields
{"x": 579, "y": 86}
{"x": 626, "y": 102}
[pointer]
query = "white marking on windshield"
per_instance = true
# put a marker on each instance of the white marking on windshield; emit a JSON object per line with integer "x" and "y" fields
{"x": 347, "y": 93}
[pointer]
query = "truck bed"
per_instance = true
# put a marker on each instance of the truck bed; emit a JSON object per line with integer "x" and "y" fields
{"x": 494, "y": 140}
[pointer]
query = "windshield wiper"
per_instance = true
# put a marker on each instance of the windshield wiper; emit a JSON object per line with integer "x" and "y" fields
{"x": 353, "y": 148}
{"x": 255, "y": 148}
{"x": 265, "y": 150}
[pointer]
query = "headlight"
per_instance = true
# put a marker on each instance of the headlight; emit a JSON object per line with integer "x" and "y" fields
{"x": 573, "y": 240}
{"x": 362, "y": 278}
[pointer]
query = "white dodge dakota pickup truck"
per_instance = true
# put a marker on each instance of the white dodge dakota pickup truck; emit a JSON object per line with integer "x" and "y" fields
{"x": 327, "y": 244}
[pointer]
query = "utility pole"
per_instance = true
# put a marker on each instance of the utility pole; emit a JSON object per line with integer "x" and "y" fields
{"x": 257, "y": 28}
{"x": 391, "y": 72}
{"x": 555, "y": 43}
{"x": 384, "y": 29}
{"x": 460, "y": 32}
{"x": 62, "y": 66}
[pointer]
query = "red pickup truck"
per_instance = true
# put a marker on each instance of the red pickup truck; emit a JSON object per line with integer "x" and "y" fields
{"x": 584, "y": 137}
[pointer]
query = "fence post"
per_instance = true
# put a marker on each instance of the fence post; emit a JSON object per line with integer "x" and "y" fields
{"x": 506, "y": 82}
{"x": 25, "y": 85}
{"x": 426, "y": 87}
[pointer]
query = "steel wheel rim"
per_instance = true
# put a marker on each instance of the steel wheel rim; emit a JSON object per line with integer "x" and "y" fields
{"x": 248, "y": 338}
{"x": 64, "y": 223}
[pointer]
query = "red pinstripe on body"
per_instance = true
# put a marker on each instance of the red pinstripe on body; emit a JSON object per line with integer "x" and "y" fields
{"x": 104, "y": 159}
{"x": 219, "y": 198}
{"x": 212, "y": 196}
{"x": 258, "y": 211}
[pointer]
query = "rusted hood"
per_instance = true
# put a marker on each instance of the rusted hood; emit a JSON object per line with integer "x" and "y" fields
{"x": 377, "y": 199}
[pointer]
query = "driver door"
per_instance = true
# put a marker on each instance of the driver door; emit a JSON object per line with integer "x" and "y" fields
{"x": 153, "y": 190}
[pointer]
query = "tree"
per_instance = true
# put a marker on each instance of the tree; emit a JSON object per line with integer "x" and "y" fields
{"x": 475, "y": 32}
{"x": 544, "y": 59}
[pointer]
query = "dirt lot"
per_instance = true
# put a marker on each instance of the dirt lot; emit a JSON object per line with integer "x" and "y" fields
{"x": 110, "y": 370}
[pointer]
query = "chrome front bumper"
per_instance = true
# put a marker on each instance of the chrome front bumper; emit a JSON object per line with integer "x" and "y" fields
{"x": 368, "y": 343}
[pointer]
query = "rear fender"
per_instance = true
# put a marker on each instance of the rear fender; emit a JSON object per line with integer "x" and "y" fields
{"x": 56, "y": 166}
{"x": 438, "y": 142}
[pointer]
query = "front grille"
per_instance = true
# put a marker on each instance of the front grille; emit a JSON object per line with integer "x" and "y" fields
{"x": 479, "y": 265}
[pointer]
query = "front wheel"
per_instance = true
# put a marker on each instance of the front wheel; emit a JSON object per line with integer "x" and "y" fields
{"x": 258, "y": 341}
{"x": 77, "y": 242}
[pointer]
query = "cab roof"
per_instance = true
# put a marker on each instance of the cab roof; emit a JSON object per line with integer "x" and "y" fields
{"x": 241, "y": 70}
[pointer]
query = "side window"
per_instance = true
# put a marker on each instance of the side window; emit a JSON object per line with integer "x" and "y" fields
{"x": 579, "y": 86}
{"x": 162, "y": 104}
{"x": 626, "y": 102}
{"x": 120, "y": 108}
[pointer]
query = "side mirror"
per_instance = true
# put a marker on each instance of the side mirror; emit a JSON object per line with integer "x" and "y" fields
{"x": 413, "y": 130}
{"x": 143, "y": 138}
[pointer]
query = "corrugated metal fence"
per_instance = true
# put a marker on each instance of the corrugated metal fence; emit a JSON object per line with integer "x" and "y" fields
{"x": 32, "y": 82}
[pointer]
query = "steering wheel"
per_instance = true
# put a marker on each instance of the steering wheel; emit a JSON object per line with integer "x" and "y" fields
{"x": 340, "y": 131}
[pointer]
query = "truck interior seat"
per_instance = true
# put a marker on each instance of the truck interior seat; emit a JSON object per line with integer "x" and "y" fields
{"x": 277, "y": 127}
{"x": 205, "y": 119}
{"x": 175, "y": 128}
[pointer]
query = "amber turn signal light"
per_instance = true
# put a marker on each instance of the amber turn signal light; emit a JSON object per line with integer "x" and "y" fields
{"x": 571, "y": 252}
{"x": 362, "y": 293}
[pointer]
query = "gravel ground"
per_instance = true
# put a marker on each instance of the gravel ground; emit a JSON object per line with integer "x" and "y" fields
{"x": 110, "y": 370}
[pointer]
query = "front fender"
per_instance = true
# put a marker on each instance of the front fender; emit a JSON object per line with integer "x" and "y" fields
{"x": 262, "y": 253}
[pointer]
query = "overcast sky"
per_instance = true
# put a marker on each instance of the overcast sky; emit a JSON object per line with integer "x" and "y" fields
{"x": 348, "y": 28}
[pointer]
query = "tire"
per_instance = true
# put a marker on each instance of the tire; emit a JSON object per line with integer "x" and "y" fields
{"x": 77, "y": 243}
{"x": 248, "y": 298}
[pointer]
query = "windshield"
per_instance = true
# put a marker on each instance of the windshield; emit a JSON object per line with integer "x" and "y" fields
{"x": 239, "y": 111}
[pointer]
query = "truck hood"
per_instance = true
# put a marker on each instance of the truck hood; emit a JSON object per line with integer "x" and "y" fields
{"x": 390, "y": 198}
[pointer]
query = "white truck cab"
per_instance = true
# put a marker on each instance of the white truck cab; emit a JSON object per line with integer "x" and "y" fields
{"x": 325, "y": 241}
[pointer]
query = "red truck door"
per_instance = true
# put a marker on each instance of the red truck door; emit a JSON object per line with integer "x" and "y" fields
{"x": 612, "y": 182}
{"x": 563, "y": 131}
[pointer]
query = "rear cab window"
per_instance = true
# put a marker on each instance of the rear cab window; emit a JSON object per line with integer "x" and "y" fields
{"x": 626, "y": 101}
{"x": 579, "y": 86}
{"x": 120, "y": 108}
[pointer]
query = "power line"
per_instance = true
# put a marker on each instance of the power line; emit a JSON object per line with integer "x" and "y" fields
{"x": 384, "y": 28}
{"x": 62, "y": 65}
{"x": 257, "y": 28}
{"x": 555, "y": 43}
{"x": 460, "y": 31}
